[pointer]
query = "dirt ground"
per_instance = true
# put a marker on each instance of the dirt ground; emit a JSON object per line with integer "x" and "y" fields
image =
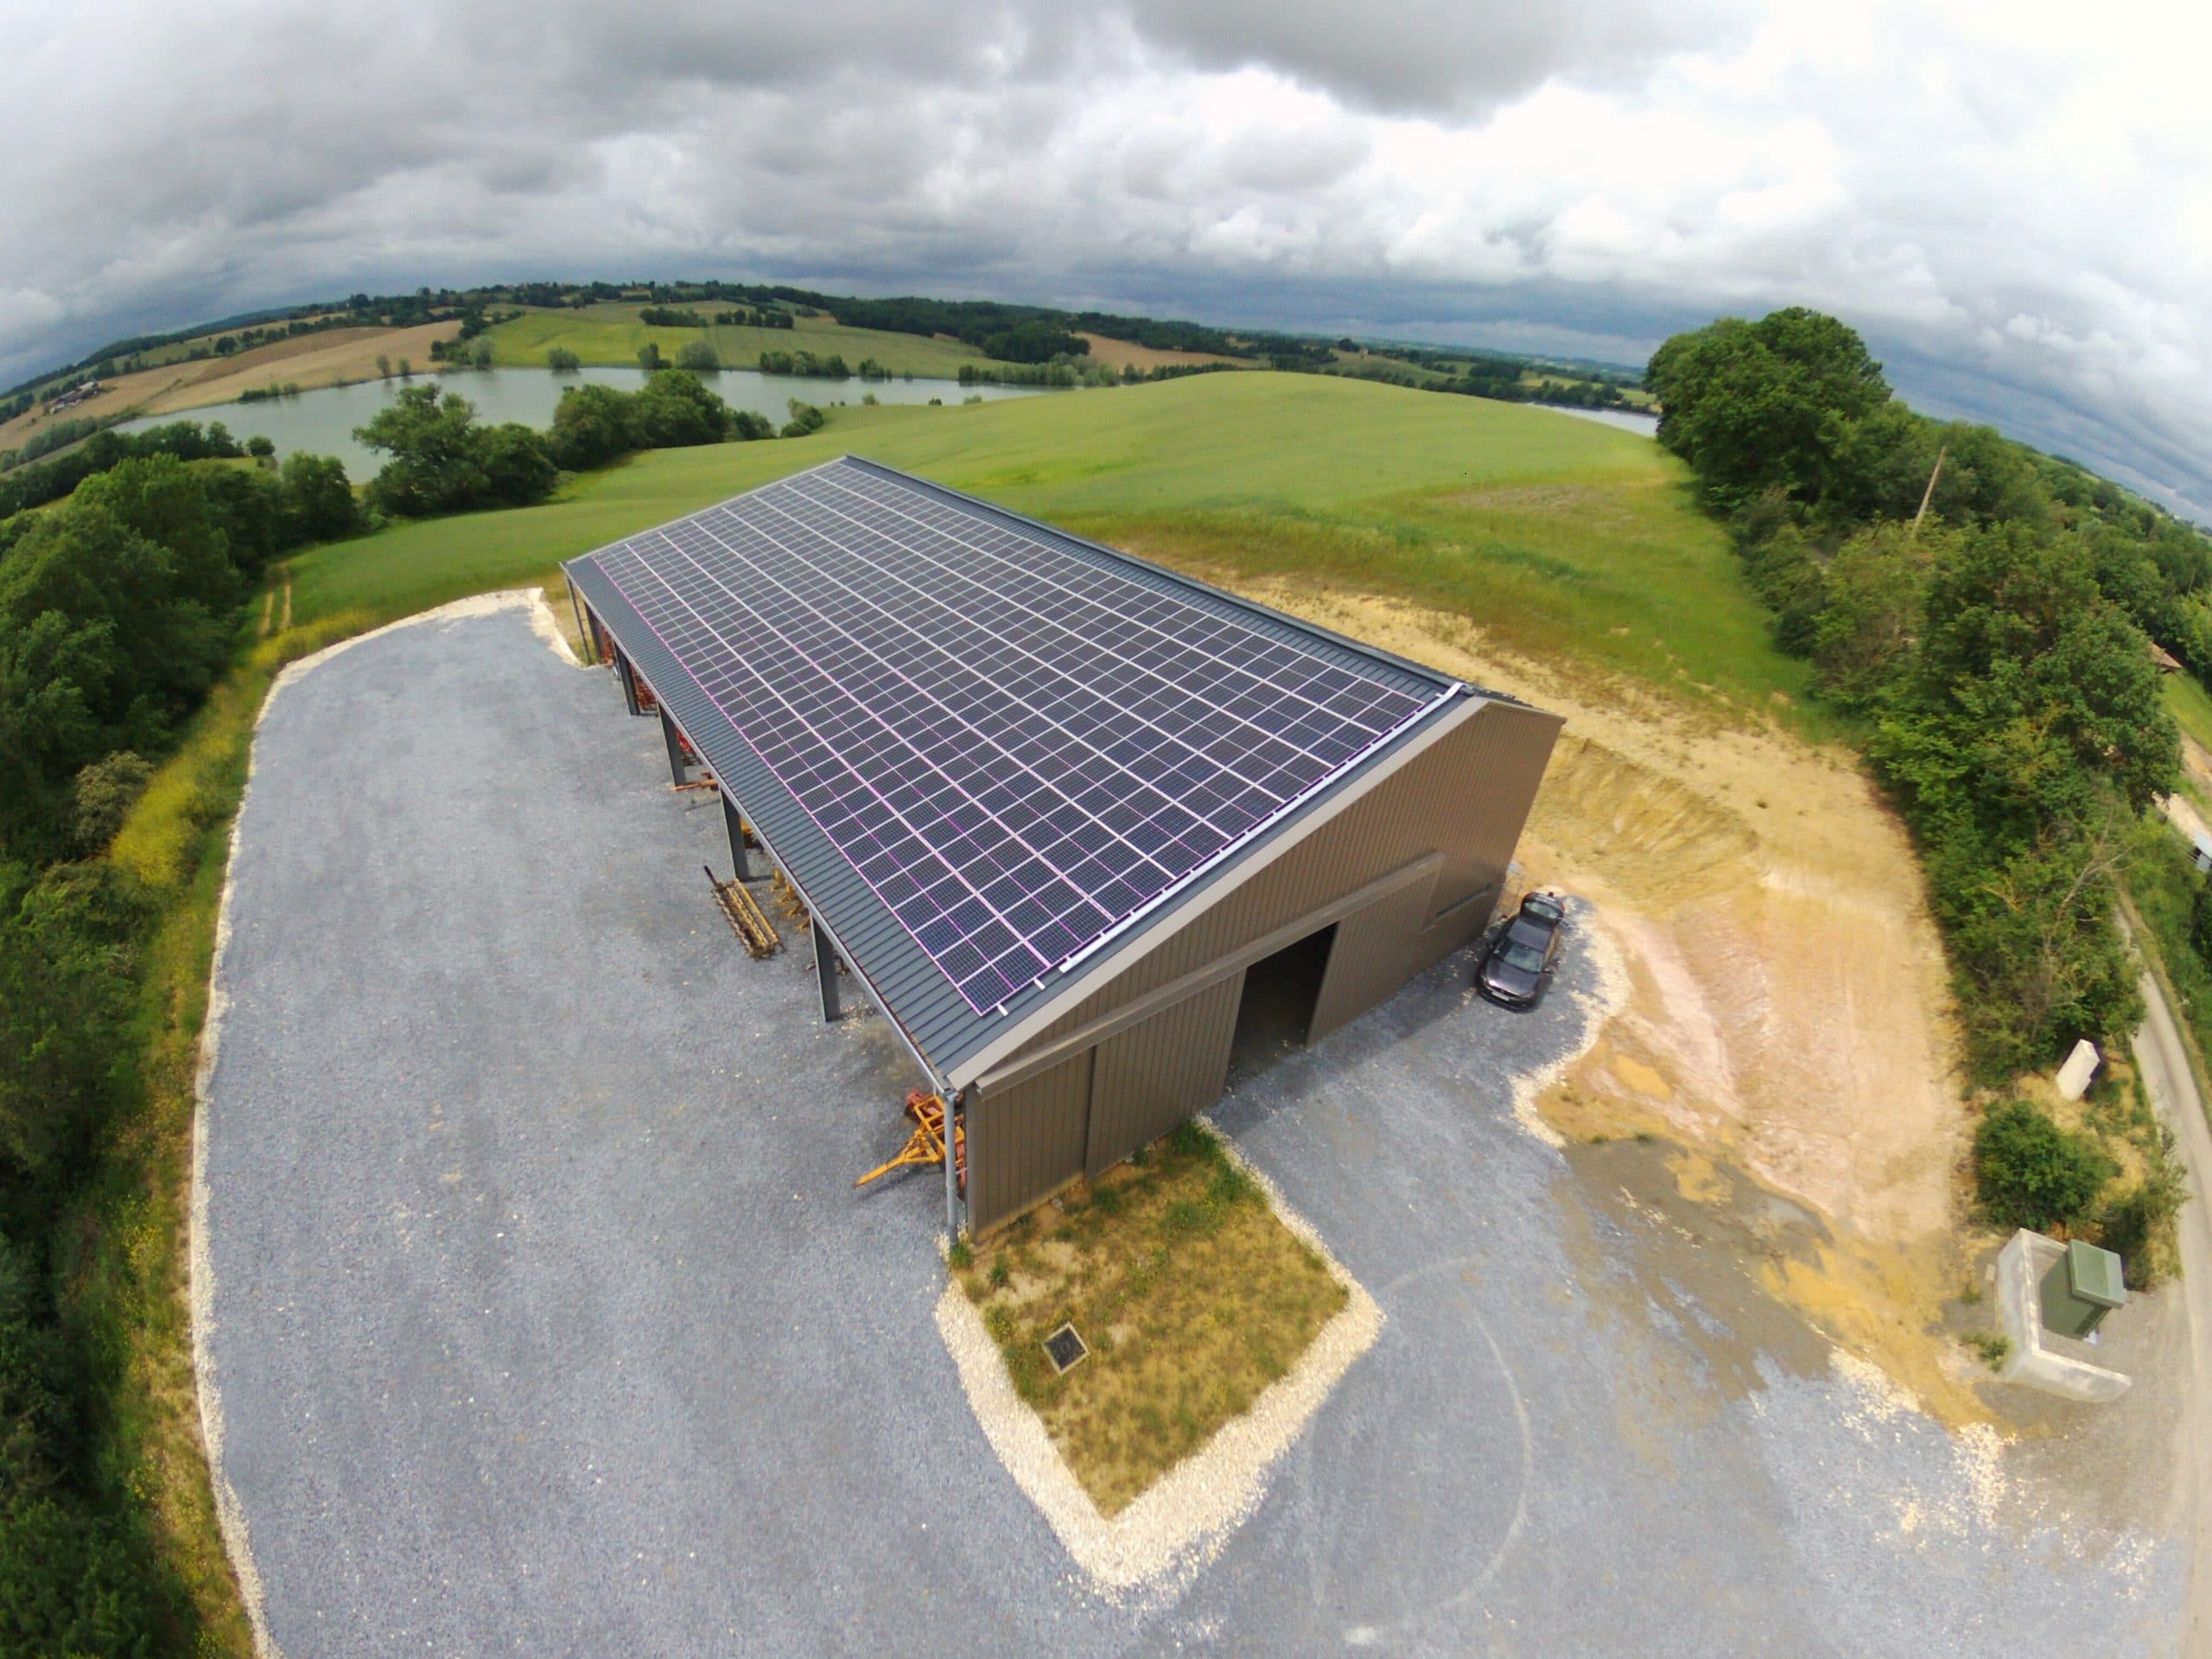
{"x": 1788, "y": 1022}
{"x": 1119, "y": 353}
{"x": 307, "y": 360}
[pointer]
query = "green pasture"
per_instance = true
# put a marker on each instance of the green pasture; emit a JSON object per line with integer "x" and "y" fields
{"x": 2190, "y": 707}
{"x": 611, "y": 334}
{"x": 1563, "y": 539}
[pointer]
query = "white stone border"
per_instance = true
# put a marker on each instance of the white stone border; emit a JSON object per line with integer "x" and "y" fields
{"x": 230, "y": 1515}
{"x": 1179, "y": 1523}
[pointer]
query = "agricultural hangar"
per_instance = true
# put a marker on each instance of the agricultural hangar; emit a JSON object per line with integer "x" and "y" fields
{"x": 1067, "y": 815}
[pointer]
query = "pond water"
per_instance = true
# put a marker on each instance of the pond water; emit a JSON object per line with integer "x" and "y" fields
{"x": 321, "y": 423}
{"x": 1629, "y": 420}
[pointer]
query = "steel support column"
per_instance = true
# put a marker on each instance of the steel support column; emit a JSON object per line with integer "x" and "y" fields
{"x": 825, "y": 970}
{"x": 675, "y": 740}
{"x": 952, "y": 1169}
{"x": 623, "y": 673}
{"x": 584, "y": 635}
{"x": 740, "y": 849}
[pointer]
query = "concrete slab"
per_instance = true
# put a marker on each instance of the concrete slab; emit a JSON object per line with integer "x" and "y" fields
{"x": 2041, "y": 1358}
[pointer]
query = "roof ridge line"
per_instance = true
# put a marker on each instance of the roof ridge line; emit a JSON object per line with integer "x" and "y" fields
{"x": 1344, "y": 642}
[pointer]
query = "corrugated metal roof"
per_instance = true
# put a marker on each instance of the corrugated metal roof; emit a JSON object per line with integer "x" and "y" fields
{"x": 907, "y": 982}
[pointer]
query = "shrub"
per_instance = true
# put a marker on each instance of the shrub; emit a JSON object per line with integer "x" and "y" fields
{"x": 562, "y": 360}
{"x": 698, "y": 357}
{"x": 102, "y": 796}
{"x": 2030, "y": 1172}
{"x": 2134, "y": 1223}
{"x": 516, "y": 469}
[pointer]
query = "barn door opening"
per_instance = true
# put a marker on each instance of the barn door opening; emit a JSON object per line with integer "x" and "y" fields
{"x": 1281, "y": 995}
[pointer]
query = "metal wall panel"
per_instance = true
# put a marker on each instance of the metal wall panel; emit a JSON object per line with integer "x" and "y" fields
{"x": 1152, "y": 1076}
{"x": 1371, "y": 957}
{"x": 1026, "y": 1143}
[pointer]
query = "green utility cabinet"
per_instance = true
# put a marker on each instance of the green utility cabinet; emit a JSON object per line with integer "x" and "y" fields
{"x": 2081, "y": 1287}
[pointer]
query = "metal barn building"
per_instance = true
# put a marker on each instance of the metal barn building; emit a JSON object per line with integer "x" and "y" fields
{"x": 1070, "y": 818}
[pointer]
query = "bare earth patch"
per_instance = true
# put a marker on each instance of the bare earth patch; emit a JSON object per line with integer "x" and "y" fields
{"x": 1787, "y": 1015}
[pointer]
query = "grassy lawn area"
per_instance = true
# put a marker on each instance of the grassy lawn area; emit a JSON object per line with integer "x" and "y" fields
{"x": 611, "y": 334}
{"x": 1565, "y": 540}
{"x": 2188, "y": 705}
{"x": 1191, "y": 1295}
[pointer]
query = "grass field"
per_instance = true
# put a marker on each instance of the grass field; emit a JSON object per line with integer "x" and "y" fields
{"x": 612, "y": 334}
{"x": 327, "y": 358}
{"x": 1562, "y": 539}
{"x": 2187, "y": 703}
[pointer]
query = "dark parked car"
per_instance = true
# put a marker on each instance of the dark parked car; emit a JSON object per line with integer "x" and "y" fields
{"x": 1522, "y": 955}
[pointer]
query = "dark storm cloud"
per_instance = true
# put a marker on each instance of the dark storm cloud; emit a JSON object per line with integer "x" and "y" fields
{"x": 2012, "y": 209}
{"x": 1446, "y": 57}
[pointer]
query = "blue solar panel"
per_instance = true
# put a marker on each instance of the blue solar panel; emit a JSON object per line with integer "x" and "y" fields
{"x": 1019, "y": 746}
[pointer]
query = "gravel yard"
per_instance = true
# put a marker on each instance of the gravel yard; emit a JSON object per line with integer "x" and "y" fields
{"x": 542, "y": 1316}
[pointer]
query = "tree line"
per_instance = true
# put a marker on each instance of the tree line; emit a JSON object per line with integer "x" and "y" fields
{"x": 1983, "y": 616}
{"x": 119, "y": 606}
{"x": 1993, "y": 649}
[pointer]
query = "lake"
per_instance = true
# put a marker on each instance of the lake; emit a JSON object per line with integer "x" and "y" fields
{"x": 321, "y": 423}
{"x": 1629, "y": 420}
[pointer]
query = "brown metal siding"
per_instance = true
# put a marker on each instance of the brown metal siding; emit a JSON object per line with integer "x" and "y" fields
{"x": 1371, "y": 957}
{"x": 1152, "y": 1076}
{"x": 1028, "y": 1142}
{"x": 1467, "y": 795}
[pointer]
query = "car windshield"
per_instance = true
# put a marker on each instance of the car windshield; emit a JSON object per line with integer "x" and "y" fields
{"x": 1543, "y": 909}
{"x": 1526, "y": 958}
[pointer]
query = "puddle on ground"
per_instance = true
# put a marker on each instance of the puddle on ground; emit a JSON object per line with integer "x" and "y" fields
{"x": 1685, "y": 1298}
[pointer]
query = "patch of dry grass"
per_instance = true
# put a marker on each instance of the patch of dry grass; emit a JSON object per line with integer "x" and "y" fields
{"x": 1191, "y": 1292}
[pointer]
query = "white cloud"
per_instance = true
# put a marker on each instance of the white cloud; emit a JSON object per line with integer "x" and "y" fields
{"x": 2000, "y": 196}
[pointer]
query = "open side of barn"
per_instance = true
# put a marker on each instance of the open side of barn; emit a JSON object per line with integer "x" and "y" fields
{"x": 1234, "y": 821}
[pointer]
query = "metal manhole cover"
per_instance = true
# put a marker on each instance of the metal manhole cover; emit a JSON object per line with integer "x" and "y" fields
{"x": 1065, "y": 1349}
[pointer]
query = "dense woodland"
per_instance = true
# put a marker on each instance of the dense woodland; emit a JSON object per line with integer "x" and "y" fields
{"x": 119, "y": 606}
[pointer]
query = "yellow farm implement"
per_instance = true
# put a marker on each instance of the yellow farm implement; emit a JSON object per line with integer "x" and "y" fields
{"x": 753, "y": 929}
{"x": 926, "y": 1146}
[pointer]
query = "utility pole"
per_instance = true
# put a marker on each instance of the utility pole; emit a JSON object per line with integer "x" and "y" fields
{"x": 1928, "y": 494}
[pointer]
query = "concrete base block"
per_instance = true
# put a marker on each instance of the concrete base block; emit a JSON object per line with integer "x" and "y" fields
{"x": 2039, "y": 1357}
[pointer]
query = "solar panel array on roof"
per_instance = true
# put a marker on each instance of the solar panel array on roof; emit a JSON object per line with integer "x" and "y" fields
{"x": 1018, "y": 746}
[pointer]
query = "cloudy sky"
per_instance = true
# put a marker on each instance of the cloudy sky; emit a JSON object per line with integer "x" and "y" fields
{"x": 2013, "y": 200}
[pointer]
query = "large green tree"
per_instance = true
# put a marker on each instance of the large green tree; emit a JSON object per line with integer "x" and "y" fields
{"x": 1770, "y": 404}
{"x": 432, "y": 439}
{"x": 443, "y": 462}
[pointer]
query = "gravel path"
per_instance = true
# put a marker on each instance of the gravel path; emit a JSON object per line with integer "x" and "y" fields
{"x": 542, "y": 1316}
